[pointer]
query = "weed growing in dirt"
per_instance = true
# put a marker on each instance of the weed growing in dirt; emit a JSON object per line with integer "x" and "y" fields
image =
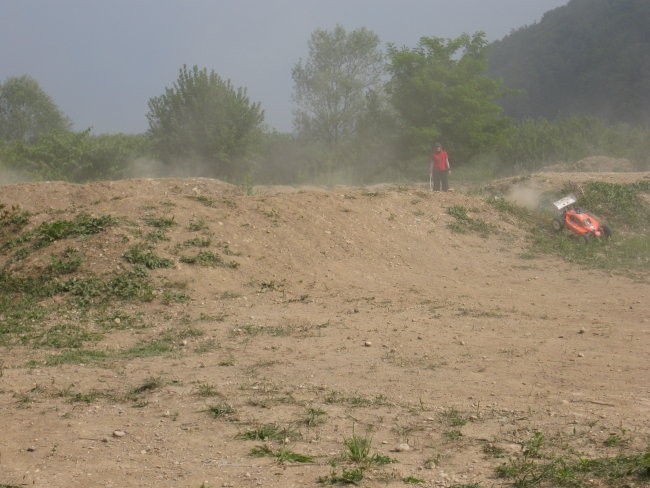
{"x": 197, "y": 225}
{"x": 221, "y": 410}
{"x": 358, "y": 458}
{"x": 269, "y": 432}
{"x": 208, "y": 258}
{"x": 159, "y": 222}
{"x": 12, "y": 218}
{"x": 282, "y": 455}
{"x": 82, "y": 225}
{"x": 314, "y": 417}
{"x": 412, "y": 480}
{"x": 203, "y": 200}
{"x": 352, "y": 476}
{"x": 206, "y": 390}
{"x": 453, "y": 418}
{"x": 196, "y": 242}
{"x": 150, "y": 384}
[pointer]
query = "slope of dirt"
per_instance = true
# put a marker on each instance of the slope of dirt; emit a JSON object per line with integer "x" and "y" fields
{"x": 348, "y": 312}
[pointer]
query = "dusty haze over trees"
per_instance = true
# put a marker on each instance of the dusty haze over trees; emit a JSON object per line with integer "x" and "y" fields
{"x": 590, "y": 57}
{"x": 555, "y": 91}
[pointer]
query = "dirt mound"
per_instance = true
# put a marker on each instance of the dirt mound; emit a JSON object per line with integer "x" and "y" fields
{"x": 304, "y": 321}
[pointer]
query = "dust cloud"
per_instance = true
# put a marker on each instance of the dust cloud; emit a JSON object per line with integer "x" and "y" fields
{"x": 525, "y": 196}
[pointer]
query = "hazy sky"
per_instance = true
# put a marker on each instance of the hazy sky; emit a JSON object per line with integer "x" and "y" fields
{"x": 102, "y": 60}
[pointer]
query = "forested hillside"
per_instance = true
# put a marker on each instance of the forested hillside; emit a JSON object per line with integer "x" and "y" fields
{"x": 590, "y": 57}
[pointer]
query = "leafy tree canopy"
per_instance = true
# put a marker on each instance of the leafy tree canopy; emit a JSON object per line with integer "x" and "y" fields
{"x": 203, "y": 119}
{"x": 26, "y": 111}
{"x": 441, "y": 93}
{"x": 330, "y": 87}
{"x": 74, "y": 156}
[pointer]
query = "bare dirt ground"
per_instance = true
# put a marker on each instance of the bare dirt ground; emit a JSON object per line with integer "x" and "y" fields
{"x": 352, "y": 312}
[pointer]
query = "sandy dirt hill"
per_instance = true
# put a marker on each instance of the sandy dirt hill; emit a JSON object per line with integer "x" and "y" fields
{"x": 325, "y": 316}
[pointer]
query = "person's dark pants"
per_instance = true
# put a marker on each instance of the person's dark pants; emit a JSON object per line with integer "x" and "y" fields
{"x": 440, "y": 181}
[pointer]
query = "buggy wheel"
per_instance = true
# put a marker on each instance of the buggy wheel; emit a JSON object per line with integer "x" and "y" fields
{"x": 607, "y": 231}
{"x": 558, "y": 224}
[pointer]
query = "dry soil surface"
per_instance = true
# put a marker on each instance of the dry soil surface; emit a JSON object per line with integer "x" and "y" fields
{"x": 351, "y": 312}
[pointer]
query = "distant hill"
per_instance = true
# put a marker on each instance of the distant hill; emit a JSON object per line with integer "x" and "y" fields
{"x": 589, "y": 57}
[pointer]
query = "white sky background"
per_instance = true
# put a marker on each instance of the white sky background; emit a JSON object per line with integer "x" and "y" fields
{"x": 102, "y": 60}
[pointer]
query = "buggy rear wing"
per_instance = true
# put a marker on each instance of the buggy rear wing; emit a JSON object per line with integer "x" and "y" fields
{"x": 565, "y": 202}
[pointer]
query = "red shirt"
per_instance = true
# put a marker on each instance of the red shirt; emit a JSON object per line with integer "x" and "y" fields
{"x": 439, "y": 161}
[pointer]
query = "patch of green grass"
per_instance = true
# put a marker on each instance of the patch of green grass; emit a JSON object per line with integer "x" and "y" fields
{"x": 197, "y": 225}
{"x": 159, "y": 222}
{"x": 69, "y": 262}
{"x": 353, "y": 476}
{"x": 157, "y": 235}
{"x": 539, "y": 468}
{"x": 412, "y": 480}
{"x": 169, "y": 296}
{"x": 204, "y": 258}
{"x": 118, "y": 320}
{"x": 620, "y": 205}
{"x": 144, "y": 349}
{"x": 358, "y": 452}
{"x": 282, "y": 455}
{"x": 64, "y": 336}
{"x": 463, "y": 223}
{"x": 143, "y": 254}
{"x": 197, "y": 242}
{"x": 131, "y": 285}
{"x": 13, "y": 218}
{"x": 80, "y": 397}
{"x": 77, "y": 356}
{"x": 453, "y": 418}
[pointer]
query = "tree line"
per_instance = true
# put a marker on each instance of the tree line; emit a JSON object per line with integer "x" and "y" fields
{"x": 363, "y": 114}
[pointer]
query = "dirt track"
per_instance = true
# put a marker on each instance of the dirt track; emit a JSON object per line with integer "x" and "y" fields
{"x": 359, "y": 303}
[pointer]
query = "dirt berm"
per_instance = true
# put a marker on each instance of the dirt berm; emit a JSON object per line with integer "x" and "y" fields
{"x": 306, "y": 321}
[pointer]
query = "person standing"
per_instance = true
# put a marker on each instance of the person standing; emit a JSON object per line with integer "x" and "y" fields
{"x": 439, "y": 168}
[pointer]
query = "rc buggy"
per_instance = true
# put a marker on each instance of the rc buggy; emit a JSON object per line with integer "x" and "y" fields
{"x": 578, "y": 221}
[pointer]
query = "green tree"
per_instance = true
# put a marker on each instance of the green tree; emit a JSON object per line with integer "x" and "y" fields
{"x": 440, "y": 92}
{"x": 330, "y": 87}
{"x": 74, "y": 156}
{"x": 26, "y": 111}
{"x": 205, "y": 120}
